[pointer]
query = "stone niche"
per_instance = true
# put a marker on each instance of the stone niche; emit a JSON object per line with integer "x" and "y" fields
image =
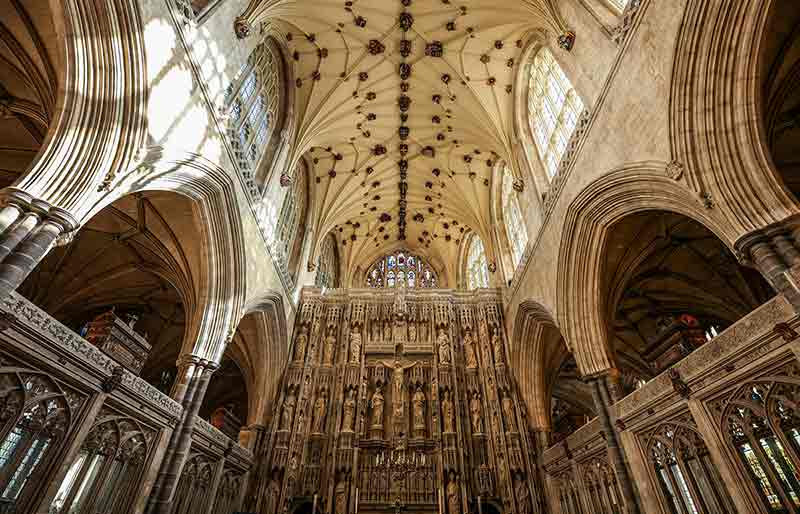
{"x": 117, "y": 339}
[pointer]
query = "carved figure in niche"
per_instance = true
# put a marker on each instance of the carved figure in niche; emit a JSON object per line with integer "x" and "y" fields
{"x": 486, "y": 351}
{"x": 355, "y": 346}
{"x": 475, "y": 414}
{"x": 508, "y": 411}
{"x": 377, "y": 408}
{"x": 300, "y": 344}
{"x": 523, "y": 495}
{"x": 447, "y": 413}
{"x": 497, "y": 344}
{"x": 412, "y": 332}
{"x": 423, "y": 331}
{"x": 349, "y": 412}
{"x": 340, "y": 497}
{"x": 398, "y": 386}
{"x": 376, "y": 330}
{"x": 469, "y": 350}
{"x": 419, "y": 409}
{"x": 387, "y": 331}
{"x": 399, "y": 332}
{"x": 453, "y": 495}
{"x": 443, "y": 342}
{"x": 330, "y": 346}
{"x": 288, "y": 411}
{"x": 319, "y": 413}
{"x": 273, "y": 491}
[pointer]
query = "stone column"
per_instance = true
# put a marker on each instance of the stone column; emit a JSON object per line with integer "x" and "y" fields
{"x": 775, "y": 252}
{"x": 28, "y": 230}
{"x": 602, "y": 401}
{"x": 193, "y": 377}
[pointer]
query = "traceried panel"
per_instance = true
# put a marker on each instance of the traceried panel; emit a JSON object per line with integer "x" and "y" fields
{"x": 477, "y": 267}
{"x": 553, "y": 109}
{"x": 401, "y": 269}
{"x": 252, "y": 102}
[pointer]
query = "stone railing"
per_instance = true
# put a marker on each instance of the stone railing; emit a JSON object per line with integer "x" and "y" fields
{"x": 210, "y": 438}
{"x": 687, "y": 403}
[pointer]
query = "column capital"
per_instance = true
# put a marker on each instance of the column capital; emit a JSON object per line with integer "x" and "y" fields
{"x": 189, "y": 359}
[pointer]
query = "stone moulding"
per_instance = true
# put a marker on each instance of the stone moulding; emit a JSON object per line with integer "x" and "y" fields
{"x": 218, "y": 441}
{"x": 62, "y": 340}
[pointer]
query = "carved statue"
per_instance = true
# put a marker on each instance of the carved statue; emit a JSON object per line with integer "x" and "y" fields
{"x": 523, "y": 495}
{"x": 453, "y": 495}
{"x": 423, "y": 331}
{"x": 349, "y": 412}
{"x": 273, "y": 491}
{"x": 469, "y": 350}
{"x": 412, "y": 332}
{"x": 399, "y": 332}
{"x": 288, "y": 411}
{"x": 447, "y": 413}
{"x": 300, "y": 344}
{"x": 419, "y": 409}
{"x": 330, "y": 345}
{"x": 443, "y": 342}
{"x": 377, "y": 408}
{"x": 355, "y": 346}
{"x": 475, "y": 414}
{"x": 387, "y": 331}
{"x": 340, "y": 497}
{"x": 398, "y": 385}
{"x": 508, "y": 411}
{"x": 319, "y": 413}
{"x": 497, "y": 344}
{"x": 376, "y": 330}
{"x": 486, "y": 350}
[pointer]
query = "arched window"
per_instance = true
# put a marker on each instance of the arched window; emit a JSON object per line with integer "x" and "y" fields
{"x": 328, "y": 264}
{"x": 252, "y": 102}
{"x": 401, "y": 269}
{"x": 477, "y": 269}
{"x": 291, "y": 221}
{"x": 512, "y": 215}
{"x": 553, "y": 109}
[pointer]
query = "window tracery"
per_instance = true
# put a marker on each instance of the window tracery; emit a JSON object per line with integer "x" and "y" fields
{"x": 194, "y": 488}
{"x": 253, "y": 101}
{"x": 602, "y": 490}
{"x": 553, "y": 109}
{"x": 291, "y": 220}
{"x": 328, "y": 264}
{"x": 477, "y": 266}
{"x": 514, "y": 221}
{"x": 401, "y": 269}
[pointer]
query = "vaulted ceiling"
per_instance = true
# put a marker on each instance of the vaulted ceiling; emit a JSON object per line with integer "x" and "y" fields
{"x": 404, "y": 110}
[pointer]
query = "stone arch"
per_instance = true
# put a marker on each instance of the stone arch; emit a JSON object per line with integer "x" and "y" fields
{"x": 716, "y": 128}
{"x": 221, "y": 285}
{"x": 635, "y": 188}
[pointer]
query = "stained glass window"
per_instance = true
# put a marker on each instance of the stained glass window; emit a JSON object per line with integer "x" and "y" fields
{"x": 401, "y": 269}
{"x": 553, "y": 109}
{"x": 252, "y": 101}
{"x": 512, "y": 215}
{"x": 477, "y": 268}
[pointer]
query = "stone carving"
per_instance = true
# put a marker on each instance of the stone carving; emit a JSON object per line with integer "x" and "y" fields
{"x": 398, "y": 387}
{"x": 412, "y": 332}
{"x": 288, "y": 411}
{"x": 674, "y": 170}
{"x": 387, "y": 331}
{"x": 447, "y": 413}
{"x": 453, "y": 495}
{"x": 273, "y": 492}
{"x": 497, "y": 346}
{"x": 377, "y": 408}
{"x": 475, "y": 413}
{"x": 523, "y": 495}
{"x": 340, "y": 498}
{"x": 419, "y": 409}
{"x": 300, "y": 344}
{"x": 355, "y": 346}
{"x": 508, "y": 412}
{"x": 330, "y": 346}
{"x": 443, "y": 342}
{"x": 349, "y": 412}
{"x": 423, "y": 332}
{"x": 319, "y": 413}
{"x": 470, "y": 351}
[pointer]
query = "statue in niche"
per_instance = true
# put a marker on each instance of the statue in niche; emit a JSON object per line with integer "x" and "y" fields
{"x": 399, "y": 332}
{"x": 447, "y": 413}
{"x": 523, "y": 495}
{"x": 349, "y": 412}
{"x": 497, "y": 344}
{"x": 387, "y": 331}
{"x": 312, "y": 353}
{"x": 443, "y": 342}
{"x": 355, "y": 346}
{"x": 288, "y": 411}
{"x": 340, "y": 497}
{"x": 319, "y": 413}
{"x": 300, "y": 344}
{"x": 330, "y": 346}
{"x": 376, "y": 330}
{"x": 412, "y": 332}
{"x": 273, "y": 491}
{"x": 508, "y": 411}
{"x": 398, "y": 386}
{"x": 469, "y": 350}
{"x": 486, "y": 350}
{"x": 423, "y": 331}
{"x": 475, "y": 413}
{"x": 377, "y": 408}
{"x": 419, "y": 409}
{"x": 453, "y": 495}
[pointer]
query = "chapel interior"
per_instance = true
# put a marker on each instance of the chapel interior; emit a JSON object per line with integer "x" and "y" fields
{"x": 399, "y": 257}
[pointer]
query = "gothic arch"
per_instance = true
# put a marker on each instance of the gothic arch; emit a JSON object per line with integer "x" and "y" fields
{"x": 635, "y": 188}
{"x": 716, "y": 127}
